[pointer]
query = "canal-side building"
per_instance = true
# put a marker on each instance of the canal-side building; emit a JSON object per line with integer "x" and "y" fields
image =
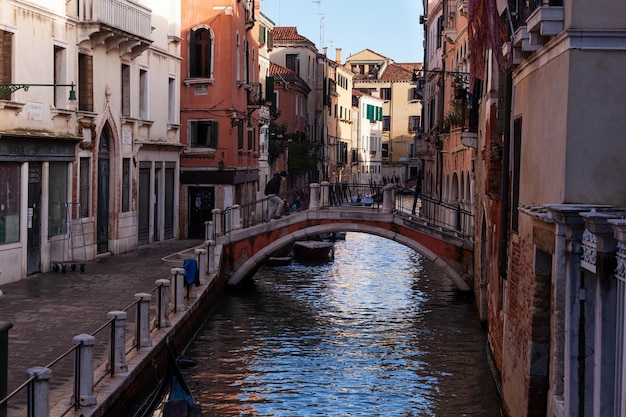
{"x": 220, "y": 99}
{"x": 75, "y": 174}
{"x": 266, "y": 81}
{"x": 365, "y": 160}
{"x": 380, "y": 76}
{"x": 299, "y": 54}
{"x": 550, "y": 228}
{"x": 339, "y": 92}
{"x": 446, "y": 146}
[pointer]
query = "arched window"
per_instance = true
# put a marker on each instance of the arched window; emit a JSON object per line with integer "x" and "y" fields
{"x": 201, "y": 53}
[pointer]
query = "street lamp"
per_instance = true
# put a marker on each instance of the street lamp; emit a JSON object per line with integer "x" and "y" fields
{"x": 7, "y": 89}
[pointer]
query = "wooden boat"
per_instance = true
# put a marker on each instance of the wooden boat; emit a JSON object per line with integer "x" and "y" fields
{"x": 313, "y": 249}
{"x": 173, "y": 397}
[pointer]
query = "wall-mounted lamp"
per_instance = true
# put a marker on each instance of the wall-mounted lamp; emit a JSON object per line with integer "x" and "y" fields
{"x": 7, "y": 89}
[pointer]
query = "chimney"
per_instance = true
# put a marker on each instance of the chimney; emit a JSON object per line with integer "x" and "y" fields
{"x": 338, "y": 55}
{"x": 325, "y": 49}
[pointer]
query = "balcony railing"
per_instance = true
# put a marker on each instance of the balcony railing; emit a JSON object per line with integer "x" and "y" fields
{"x": 103, "y": 15}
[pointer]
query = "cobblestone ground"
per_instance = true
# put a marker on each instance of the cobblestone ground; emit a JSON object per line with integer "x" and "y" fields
{"x": 48, "y": 310}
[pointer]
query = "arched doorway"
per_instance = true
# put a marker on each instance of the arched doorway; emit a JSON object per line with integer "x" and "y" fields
{"x": 103, "y": 191}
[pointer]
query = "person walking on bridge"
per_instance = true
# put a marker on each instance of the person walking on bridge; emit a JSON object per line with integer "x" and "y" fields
{"x": 272, "y": 189}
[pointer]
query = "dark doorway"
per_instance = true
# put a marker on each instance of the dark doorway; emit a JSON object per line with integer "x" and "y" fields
{"x": 201, "y": 203}
{"x": 34, "y": 219}
{"x": 143, "y": 208}
{"x": 169, "y": 203}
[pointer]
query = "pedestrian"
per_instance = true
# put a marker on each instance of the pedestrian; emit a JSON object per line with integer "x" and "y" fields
{"x": 272, "y": 189}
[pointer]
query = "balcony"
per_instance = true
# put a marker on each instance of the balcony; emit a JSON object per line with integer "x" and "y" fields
{"x": 545, "y": 21}
{"x": 118, "y": 24}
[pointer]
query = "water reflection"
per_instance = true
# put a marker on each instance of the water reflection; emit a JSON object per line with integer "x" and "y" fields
{"x": 377, "y": 331}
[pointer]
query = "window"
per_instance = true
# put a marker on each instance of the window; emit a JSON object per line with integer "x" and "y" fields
{"x": 60, "y": 93}
{"x": 292, "y": 61}
{"x": 373, "y": 145}
{"x": 386, "y": 123}
{"x": 343, "y": 152}
{"x": 9, "y": 202}
{"x": 385, "y": 93}
{"x": 6, "y": 57}
{"x": 125, "y": 90}
{"x": 57, "y": 206}
{"x": 85, "y": 82}
{"x": 240, "y": 135}
{"x": 143, "y": 94}
{"x": 84, "y": 186}
{"x": 201, "y": 53}
{"x": 414, "y": 123}
{"x": 203, "y": 133}
{"x": 374, "y": 113}
{"x": 126, "y": 184}
{"x": 385, "y": 150}
{"x": 171, "y": 101}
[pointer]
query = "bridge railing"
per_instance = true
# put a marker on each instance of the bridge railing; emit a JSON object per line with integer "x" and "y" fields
{"x": 326, "y": 195}
{"x": 437, "y": 213}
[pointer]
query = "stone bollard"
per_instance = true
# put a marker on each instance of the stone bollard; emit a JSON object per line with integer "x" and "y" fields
{"x": 84, "y": 372}
{"x": 389, "y": 200}
{"x": 217, "y": 222}
{"x": 178, "y": 288}
{"x": 163, "y": 302}
{"x": 211, "y": 257}
{"x": 39, "y": 402}
{"x": 202, "y": 269}
{"x": 143, "y": 319}
{"x": 235, "y": 217}
{"x": 5, "y": 326}
{"x": 118, "y": 342}
{"x": 314, "y": 203}
{"x": 324, "y": 194}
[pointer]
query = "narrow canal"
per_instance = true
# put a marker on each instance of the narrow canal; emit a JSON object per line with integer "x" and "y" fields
{"x": 378, "y": 331}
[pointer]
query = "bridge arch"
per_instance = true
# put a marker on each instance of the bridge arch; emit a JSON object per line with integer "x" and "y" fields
{"x": 273, "y": 236}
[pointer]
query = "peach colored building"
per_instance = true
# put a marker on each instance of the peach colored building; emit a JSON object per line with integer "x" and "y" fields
{"x": 220, "y": 96}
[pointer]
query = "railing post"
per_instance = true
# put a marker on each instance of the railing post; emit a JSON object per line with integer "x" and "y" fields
{"x": 38, "y": 390}
{"x": 389, "y": 198}
{"x": 5, "y": 326}
{"x": 143, "y": 322}
{"x": 211, "y": 257}
{"x": 217, "y": 222}
{"x": 84, "y": 374}
{"x": 201, "y": 257}
{"x": 314, "y": 200}
{"x": 164, "y": 302}
{"x": 324, "y": 196}
{"x": 208, "y": 230}
{"x": 236, "y": 217}
{"x": 178, "y": 288}
{"x": 118, "y": 342}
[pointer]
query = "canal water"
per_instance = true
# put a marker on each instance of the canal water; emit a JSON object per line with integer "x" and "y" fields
{"x": 377, "y": 331}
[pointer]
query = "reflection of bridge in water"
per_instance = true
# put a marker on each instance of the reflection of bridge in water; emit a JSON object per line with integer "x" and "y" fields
{"x": 240, "y": 240}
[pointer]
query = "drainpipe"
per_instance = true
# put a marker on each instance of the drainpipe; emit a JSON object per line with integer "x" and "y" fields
{"x": 504, "y": 213}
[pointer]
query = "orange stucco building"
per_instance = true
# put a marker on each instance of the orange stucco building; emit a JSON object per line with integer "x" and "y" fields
{"x": 220, "y": 95}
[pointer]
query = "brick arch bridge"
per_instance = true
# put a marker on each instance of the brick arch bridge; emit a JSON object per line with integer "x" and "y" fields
{"x": 243, "y": 251}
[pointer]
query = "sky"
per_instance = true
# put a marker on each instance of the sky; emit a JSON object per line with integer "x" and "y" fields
{"x": 389, "y": 27}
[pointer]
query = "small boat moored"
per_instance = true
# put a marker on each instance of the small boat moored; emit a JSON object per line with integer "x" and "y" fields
{"x": 173, "y": 397}
{"x": 313, "y": 249}
{"x": 278, "y": 260}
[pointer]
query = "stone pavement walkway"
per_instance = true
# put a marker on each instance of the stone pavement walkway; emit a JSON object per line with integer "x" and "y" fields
{"x": 48, "y": 310}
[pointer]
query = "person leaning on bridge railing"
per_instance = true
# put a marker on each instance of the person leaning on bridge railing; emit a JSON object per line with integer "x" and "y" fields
{"x": 272, "y": 189}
